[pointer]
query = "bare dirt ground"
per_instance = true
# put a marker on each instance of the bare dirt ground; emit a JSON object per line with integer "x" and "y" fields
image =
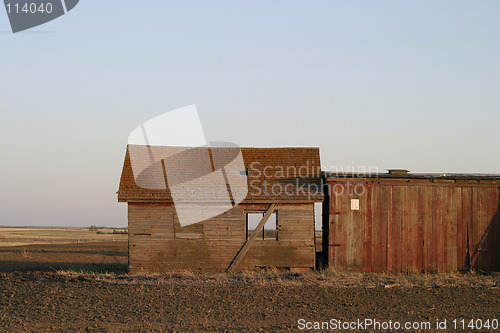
{"x": 65, "y": 288}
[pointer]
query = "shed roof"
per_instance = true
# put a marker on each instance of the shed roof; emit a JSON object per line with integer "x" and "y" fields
{"x": 272, "y": 174}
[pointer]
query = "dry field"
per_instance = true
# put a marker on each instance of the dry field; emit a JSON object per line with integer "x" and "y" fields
{"x": 84, "y": 287}
{"x": 29, "y": 236}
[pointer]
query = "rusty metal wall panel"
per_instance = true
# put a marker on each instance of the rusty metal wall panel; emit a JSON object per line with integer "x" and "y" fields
{"x": 417, "y": 214}
{"x": 337, "y": 248}
{"x": 379, "y": 215}
{"x": 484, "y": 243}
{"x": 395, "y": 244}
{"x": 414, "y": 227}
{"x": 461, "y": 232}
{"x": 426, "y": 212}
{"x": 467, "y": 222}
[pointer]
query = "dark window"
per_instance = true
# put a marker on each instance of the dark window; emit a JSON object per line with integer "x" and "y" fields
{"x": 270, "y": 229}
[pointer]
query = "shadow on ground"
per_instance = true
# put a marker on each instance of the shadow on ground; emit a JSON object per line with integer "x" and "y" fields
{"x": 98, "y": 257}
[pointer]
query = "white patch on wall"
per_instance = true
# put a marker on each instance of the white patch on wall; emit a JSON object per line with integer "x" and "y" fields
{"x": 354, "y": 204}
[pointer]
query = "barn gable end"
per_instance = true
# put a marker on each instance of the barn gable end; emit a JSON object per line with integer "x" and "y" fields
{"x": 158, "y": 243}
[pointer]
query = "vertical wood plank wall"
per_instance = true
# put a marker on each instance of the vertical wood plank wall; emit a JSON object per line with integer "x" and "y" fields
{"x": 158, "y": 244}
{"x": 413, "y": 226}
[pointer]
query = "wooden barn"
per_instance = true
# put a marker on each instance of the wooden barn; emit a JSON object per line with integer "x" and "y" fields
{"x": 283, "y": 185}
{"x": 403, "y": 222}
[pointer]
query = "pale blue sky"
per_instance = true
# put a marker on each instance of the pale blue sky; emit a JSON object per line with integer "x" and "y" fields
{"x": 386, "y": 84}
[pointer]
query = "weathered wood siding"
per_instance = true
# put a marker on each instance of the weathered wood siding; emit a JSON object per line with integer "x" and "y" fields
{"x": 157, "y": 243}
{"x": 415, "y": 225}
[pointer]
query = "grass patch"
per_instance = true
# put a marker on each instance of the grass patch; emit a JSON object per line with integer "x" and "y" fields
{"x": 116, "y": 274}
{"x": 102, "y": 268}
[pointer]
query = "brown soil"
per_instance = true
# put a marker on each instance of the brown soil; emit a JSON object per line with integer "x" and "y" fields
{"x": 55, "y": 288}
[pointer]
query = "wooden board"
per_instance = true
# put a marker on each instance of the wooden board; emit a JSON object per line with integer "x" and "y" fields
{"x": 157, "y": 245}
{"x": 414, "y": 226}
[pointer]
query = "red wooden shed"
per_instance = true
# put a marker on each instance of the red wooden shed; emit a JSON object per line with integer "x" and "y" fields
{"x": 403, "y": 222}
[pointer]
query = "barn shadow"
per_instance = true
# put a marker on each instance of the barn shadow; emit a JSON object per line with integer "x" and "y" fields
{"x": 486, "y": 256}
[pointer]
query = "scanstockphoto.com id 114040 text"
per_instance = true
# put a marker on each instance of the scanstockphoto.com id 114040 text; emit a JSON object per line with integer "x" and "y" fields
{"x": 491, "y": 325}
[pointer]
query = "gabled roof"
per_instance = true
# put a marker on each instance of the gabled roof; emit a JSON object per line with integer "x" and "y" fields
{"x": 269, "y": 174}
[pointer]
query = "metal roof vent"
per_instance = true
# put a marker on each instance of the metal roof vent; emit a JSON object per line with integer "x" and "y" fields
{"x": 398, "y": 172}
